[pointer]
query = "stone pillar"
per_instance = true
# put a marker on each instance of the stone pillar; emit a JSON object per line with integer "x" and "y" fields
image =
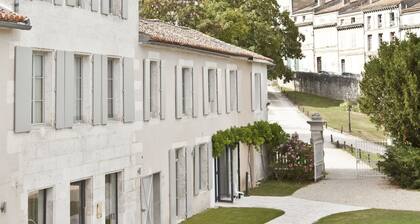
{"x": 317, "y": 141}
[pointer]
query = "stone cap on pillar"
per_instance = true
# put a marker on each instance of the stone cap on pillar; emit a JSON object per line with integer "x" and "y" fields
{"x": 316, "y": 122}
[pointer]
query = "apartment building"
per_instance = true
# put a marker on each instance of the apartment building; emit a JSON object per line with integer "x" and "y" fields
{"x": 345, "y": 33}
{"x": 107, "y": 118}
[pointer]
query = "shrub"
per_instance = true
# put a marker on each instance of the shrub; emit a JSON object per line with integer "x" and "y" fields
{"x": 294, "y": 160}
{"x": 402, "y": 165}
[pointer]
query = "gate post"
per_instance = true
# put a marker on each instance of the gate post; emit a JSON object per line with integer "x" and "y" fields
{"x": 317, "y": 141}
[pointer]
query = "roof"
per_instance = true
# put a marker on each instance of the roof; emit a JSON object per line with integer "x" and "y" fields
{"x": 301, "y": 4}
{"x": 381, "y": 4}
{"x": 330, "y": 6}
{"x": 414, "y": 7}
{"x": 156, "y": 31}
{"x": 10, "y": 19}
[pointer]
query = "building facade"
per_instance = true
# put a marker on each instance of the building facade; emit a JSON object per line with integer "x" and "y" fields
{"x": 106, "y": 121}
{"x": 341, "y": 35}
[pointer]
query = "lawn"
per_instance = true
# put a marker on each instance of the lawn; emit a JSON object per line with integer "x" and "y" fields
{"x": 336, "y": 116}
{"x": 373, "y": 216}
{"x": 277, "y": 188}
{"x": 235, "y": 216}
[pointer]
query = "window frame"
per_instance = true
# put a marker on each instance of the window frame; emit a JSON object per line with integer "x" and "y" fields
{"x": 78, "y": 116}
{"x": 110, "y": 92}
{"x": 117, "y": 177}
{"x": 215, "y": 88}
{"x": 258, "y": 91}
{"x": 155, "y": 114}
{"x": 82, "y": 197}
{"x": 233, "y": 91}
{"x": 44, "y": 205}
{"x": 185, "y": 112}
{"x": 380, "y": 21}
{"x": 42, "y": 101}
{"x": 369, "y": 40}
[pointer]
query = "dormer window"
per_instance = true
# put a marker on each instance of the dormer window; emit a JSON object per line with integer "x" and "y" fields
{"x": 353, "y": 20}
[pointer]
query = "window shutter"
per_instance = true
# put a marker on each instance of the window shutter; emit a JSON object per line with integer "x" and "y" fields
{"x": 23, "y": 86}
{"x": 172, "y": 187}
{"x": 263, "y": 92}
{"x": 196, "y": 170}
{"x": 104, "y": 78}
{"x": 190, "y": 190}
{"x": 206, "y": 91}
{"x": 124, "y": 9}
{"x": 71, "y": 2}
{"x": 97, "y": 90}
{"x": 105, "y": 7}
{"x": 129, "y": 111}
{"x": 95, "y": 5}
{"x": 69, "y": 88}
{"x": 219, "y": 91}
{"x": 210, "y": 165}
{"x": 146, "y": 90}
{"x": 178, "y": 92}
{"x": 227, "y": 84}
{"x": 162, "y": 90}
{"x": 58, "y": 2}
{"x": 238, "y": 91}
{"x": 60, "y": 90}
{"x": 194, "y": 95}
{"x": 253, "y": 103}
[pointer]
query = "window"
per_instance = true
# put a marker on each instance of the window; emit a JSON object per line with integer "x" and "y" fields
{"x": 40, "y": 207}
{"x": 391, "y": 19}
{"x": 318, "y": 64}
{"x": 180, "y": 181}
{"x": 233, "y": 90}
{"x": 353, "y": 20}
{"x": 115, "y": 7}
{"x": 111, "y": 198}
{"x": 78, "y": 202}
{"x": 303, "y": 18}
{"x": 257, "y": 91}
{"x": 203, "y": 166}
{"x": 369, "y": 42}
{"x": 343, "y": 65}
{"x": 341, "y": 21}
{"x": 187, "y": 87}
{"x": 110, "y": 88}
{"x": 369, "y": 21}
{"x": 392, "y": 36}
{"x": 379, "y": 21}
{"x": 212, "y": 90}
{"x": 78, "y": 76}
{"x": 380, "y": 38}
{"x": 155, "y": 89}
{"x": 38, "y": 98}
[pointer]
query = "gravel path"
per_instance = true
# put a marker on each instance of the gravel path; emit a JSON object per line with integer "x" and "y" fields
{"x": 297, "y": 211}
{"x": 342, "y": 184}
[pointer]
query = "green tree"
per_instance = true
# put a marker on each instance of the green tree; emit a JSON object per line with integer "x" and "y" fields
{"x": 256, "y": 25}
{"x": 391, "y": 90}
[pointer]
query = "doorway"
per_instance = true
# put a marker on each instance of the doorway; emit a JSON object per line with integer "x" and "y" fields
{"x": 227, "y": 175}
{"x": 150, "y": 199}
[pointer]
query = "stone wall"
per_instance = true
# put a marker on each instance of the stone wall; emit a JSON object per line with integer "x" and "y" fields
{"x": 333, "y": 86}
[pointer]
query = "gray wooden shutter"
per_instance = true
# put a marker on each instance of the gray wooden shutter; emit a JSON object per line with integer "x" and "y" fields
{"x": 69, "y": 87}
{"x": 23, "y": 87}
{"x": 178, "y": 92}
{"x": 71, "y": 2}
{"x": 263, "y": 79}
{"x": 219, "y": 91}
{"x": 227, "y": 84}
{"x": 206, "y": 91}
{"x": 60, "y": 90}
{"x": 97, "y": 90}
{"x": 58, "y": 2}
{"x": 124, "y": 9}
{"x": 129, "y": 111}
{"x": 162, "y": 91}
{"x": 194, "y": 94}
{"x": 210, "y": 165}
{"x": 172, "y": 187}
{"x": 189, "y": 176}
{"x": 95, "y": 5}
{"x": 196, "y": 170}
{"x": 238, "y": 91}
{"x": 105, "y": 7}
{"x": 104, "y": 77}
{"x": 146, "y": 90}
{"x": 253, "y": 103}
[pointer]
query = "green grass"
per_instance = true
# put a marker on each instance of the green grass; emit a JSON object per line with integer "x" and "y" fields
{"x": 373, "y": 216}
{"x": 336, "y": 116}
{"x": 235, "y": 216}
{"x": 277, "y": 188}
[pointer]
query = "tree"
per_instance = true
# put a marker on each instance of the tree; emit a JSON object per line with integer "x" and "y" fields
{"x": 391, "y": 90}
{"x": 256, "y": 25}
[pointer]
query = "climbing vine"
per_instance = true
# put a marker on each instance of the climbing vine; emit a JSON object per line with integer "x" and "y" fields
{"x": 256, "y": 134}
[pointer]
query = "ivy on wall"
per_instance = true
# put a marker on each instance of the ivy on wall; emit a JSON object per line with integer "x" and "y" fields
{"x": 256, "y": 134}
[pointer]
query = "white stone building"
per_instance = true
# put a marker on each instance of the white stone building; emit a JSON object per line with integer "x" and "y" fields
{"x": 340, "y": 35}
{"x": 106, "y": 118}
